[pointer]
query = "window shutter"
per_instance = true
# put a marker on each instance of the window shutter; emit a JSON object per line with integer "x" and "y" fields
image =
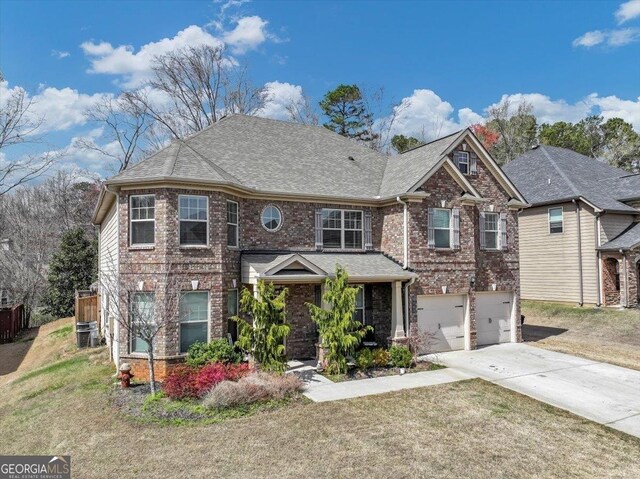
{"x": 455, "y": 217}
{"x": 319, "y": 229}
{"x": 473, "y": 164}
{"x": 503, "y": 230}
{"x": 368, "y": 240}
{"x": 483, "y": 241}
{"x": 431, "y": 241}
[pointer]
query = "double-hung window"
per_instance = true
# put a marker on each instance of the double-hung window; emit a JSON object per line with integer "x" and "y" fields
{"x": 194, "y": 318}
{"x": 462, "y": 160}
{"x": 232, "y": 224}
{"x": 491, "y": 231}
{"x": 442, "y": 228}
{"x": 556, "y": 221}
{"x": 4, "y": 297}
{"x": 142, "y": 320}
{"x": 342, "y": 229}
{"x": 142, "y": 212}
{"x": 194, "y": 219}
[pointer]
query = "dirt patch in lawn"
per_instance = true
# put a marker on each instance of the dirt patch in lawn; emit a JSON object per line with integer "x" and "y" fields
{"x": 356, "y": 374}
{"x": 465, "y": 429}
{"x": 600, "y": 334}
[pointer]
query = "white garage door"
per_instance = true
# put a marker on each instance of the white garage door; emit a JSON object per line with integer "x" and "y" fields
{"x": 493, "y": 317}
{"x": 443, "y": 317}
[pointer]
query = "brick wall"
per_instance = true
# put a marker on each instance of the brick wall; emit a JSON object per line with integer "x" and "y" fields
{"x": 302, "y": 340}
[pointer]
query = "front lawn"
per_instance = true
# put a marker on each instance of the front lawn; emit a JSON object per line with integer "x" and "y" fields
{"x": 600, "y": 334}
{"x": 465, "y": 429}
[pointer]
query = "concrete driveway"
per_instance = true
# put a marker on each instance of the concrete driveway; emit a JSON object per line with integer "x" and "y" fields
{"x": 601, "y": 392}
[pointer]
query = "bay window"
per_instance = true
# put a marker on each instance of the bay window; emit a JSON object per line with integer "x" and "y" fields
{"x": 194, "y": 219}
{"x": 142, "y": 214}
{"x": 194, "y": 318}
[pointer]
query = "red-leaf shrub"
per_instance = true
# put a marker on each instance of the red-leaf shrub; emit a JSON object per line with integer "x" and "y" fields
{"x": 180, "y": 383}
{"x": 185, "y": 382}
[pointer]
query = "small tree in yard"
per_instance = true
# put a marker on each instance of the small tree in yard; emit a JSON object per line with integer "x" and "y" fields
{"x": 264, "y": 339}
{"x": 340, "y": 333}
{"x": 72, "y": 267}
{"x": 142, "y": 313}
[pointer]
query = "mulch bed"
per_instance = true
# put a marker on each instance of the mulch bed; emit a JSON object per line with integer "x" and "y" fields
{"x": 356, "y": 374}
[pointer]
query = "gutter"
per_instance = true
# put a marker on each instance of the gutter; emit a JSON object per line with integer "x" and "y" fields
{"x": 405, "y": 234}
{"x": 581, "y": 279}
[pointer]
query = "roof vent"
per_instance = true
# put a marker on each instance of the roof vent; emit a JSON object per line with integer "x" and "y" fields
{"x": 352, "y": 158}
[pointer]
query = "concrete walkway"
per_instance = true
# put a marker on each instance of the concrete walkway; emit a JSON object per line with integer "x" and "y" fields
{"x": 601, "y": 392}
{"x": 321, "y": 389}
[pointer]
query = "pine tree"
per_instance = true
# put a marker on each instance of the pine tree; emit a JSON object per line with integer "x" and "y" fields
{"x": 73, "y": 267}
{"x": 347, "y": 113}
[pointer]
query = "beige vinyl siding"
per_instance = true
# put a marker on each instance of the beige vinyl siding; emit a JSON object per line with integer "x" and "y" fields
{"x": 612, "y": 225}
{"x": 108, "y": 259}
{"x": 549, "y": 266}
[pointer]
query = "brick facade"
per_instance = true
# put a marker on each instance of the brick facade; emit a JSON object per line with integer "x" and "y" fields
{"x": 217, "y": 266}
{"x": 628, "y": 267}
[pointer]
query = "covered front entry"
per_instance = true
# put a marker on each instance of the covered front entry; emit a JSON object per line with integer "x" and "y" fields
{"x": 493, "y": 317}
{"x": 379, "y": 303}
{"x": 441, "y": 318}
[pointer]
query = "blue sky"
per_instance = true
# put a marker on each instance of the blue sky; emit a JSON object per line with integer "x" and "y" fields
{"x": 448, "y": 61}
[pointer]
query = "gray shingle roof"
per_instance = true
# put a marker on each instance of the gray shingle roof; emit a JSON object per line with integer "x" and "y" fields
{"x": 628, "y": 239}
{"x": 270, "y": 156}
{"x": 281, "y": 157}
{"x": 548, "y": 174}
{"x": 357, "y": 265}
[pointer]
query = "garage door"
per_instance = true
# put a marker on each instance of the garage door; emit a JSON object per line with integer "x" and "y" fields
{"x": 493, "y": 317}
{"x": 443, "y": 317}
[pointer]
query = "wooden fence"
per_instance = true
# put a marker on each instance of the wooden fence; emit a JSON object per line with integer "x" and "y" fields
{"x": 12, "y": 321}
{"x": 87, "y": 307}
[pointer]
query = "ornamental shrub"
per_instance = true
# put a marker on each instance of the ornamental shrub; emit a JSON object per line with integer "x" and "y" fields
{"x": 188, "y": 382}
{"x": 364, "y": 359}
{"x": 259, "y": 386}
{"x": 216, "y": 351}
{"x": 400, "y": 356}
{"x": 381, "y": 358}
{"x": 180, "y": 383}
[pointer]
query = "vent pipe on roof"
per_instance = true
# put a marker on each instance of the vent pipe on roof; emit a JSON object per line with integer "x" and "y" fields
{"x": 352, "y": 158}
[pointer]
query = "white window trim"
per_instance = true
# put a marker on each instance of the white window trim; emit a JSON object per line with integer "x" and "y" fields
{"x": 561, "y": 208}
{"x": 467, "y": 162}
{"x": 342, "y": 229}
{"x": 497, "y": 232}
{"x": 237, "y": 225}
{"x": 131, "y": 221}
{"x": 364, "y": 302}
{"x": 450, "y": 229}
{"x": 132, "y": 329}
{"x": 208, "y": 320}
{"x": 194, "y": 246}
{"x": 237, "y": 301}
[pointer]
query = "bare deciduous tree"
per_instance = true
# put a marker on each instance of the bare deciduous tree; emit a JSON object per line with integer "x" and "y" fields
{"x": 301, "y": 110}
{"x": 518, "y": 130}
{"x": 383, "y": 118}
{"x": 142, "y": 313}
{"x": 18, "y": 125}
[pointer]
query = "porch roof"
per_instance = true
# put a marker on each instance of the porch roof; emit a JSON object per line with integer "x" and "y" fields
{"x": 628, "y": 239}
{"x": 313, "y": 267}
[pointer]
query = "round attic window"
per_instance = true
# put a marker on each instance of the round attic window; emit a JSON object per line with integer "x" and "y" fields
{"x": 271, "y": 218}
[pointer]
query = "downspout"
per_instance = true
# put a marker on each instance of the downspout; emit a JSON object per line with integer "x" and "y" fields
{"x": 405, "y": 234}
{"x": 581, "y": 281}
{"x": 598, "y": 260}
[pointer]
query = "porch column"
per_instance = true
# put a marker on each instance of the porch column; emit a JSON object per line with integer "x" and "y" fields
{"x": 397, "y": 321}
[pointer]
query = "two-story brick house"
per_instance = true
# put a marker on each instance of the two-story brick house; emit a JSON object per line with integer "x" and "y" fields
{"x": 430, "y": 235}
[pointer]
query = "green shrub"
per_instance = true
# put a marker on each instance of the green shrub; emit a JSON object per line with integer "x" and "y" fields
{"x": 364, "y": 359}
{"x": 400, "y": 356}
{"x": 381, "y": 358}
{"x": 216, "y": 351}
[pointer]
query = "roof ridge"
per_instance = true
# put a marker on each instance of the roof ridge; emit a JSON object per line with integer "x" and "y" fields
{"x": 560, "y": 172}
{"x": 225, "y": 174}
{"x": 433, "y": 141}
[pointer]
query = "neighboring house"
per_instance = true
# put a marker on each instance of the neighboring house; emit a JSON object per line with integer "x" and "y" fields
{"x": 430, "y": 235}
{"x": 580, "y": 239}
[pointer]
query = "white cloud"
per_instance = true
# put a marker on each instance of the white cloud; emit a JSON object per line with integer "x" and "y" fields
{"x": 135, "y": 67}
{"x": 620, "y": 38}
{"x": 590, "y": 39}
{"x": 248, "y": 34}
{"x": 628, "y": 11}
{"x": 60, "y": 54}
{"x": 278, "y": 96}
{"x": 548, "y": 110}
{"x": 612, "y": 106}
{"x": 425, "y": 115}
{"x": 59, "y": 109}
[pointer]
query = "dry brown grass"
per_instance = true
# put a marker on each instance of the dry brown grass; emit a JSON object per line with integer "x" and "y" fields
{"x": 600, "y": 334}
{"x": 466, "y": 429}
